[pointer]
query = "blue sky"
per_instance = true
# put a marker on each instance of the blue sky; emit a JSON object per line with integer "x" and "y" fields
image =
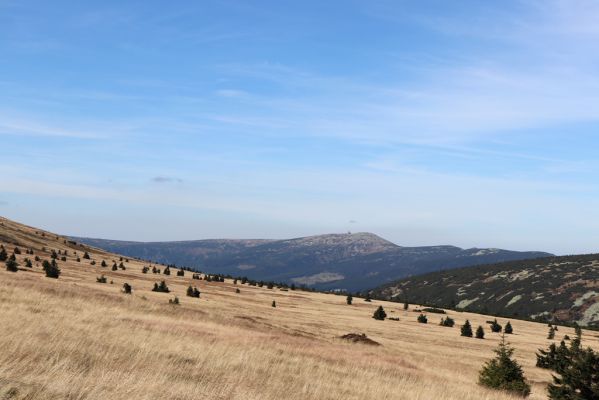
{"x": 427, "y": 122}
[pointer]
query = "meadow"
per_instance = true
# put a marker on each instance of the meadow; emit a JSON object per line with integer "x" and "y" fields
{"x": 75, "y": 338}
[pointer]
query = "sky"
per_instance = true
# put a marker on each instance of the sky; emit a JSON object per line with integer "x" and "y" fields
{"x": 426, "y": 122}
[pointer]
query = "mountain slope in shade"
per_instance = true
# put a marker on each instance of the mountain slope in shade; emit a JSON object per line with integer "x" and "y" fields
{"x": 562, "y": 289}
{"x": 353, "y": 262}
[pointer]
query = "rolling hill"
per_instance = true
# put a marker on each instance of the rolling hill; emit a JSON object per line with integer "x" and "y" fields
{"x": 560, "y": 289}
{"x": 76, "y": 337}
{"x": 352, "y": 262}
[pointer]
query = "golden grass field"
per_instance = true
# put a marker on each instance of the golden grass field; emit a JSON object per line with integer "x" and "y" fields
{"x": 73, "y": 338}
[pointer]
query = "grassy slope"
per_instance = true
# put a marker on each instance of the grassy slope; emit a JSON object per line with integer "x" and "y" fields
{"x": 75, "y": 338}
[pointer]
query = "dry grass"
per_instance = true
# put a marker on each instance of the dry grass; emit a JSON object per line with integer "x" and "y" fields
{"x": 73, "y": 338}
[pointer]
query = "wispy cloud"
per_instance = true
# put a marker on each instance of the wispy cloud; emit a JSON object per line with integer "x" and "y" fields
{"x": 166, "y": 179}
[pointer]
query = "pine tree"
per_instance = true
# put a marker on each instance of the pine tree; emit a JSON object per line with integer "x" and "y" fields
{"x": 480, "y": 332}
{"x": 551, "y": 334}
{"x": 28, "y": 263}
{"x": 406, "y": 305}
{"x": 379, "y": 314}
{"x": 508, "y": 328}
{"x": 422, "y": 319}
{"x": 237, "y": 290}
{"x": 161, "y": 287}
{"x": 11, "y": 264}
{"x": 126, "y": 288}
{"x": 193, "y": 292}
{"x": 86, "y": 255}
{"x": 3, "y": 254}
{"x": 504, "y": 373}
{"x": 17, "y": 250}
{"x": 495, "y": 327}
{"x": 466, "y": 329}
{"x": 349, "y": 299}
{"x": 103, "y": 264}
{"x": 274, "y": 303}
{"x": 101, "y": 279}
{"x": 51, "y": 269}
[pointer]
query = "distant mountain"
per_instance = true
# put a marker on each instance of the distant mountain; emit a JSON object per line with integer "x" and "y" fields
{"x": 548, "y": 289}
{"x": 351, "y": 262}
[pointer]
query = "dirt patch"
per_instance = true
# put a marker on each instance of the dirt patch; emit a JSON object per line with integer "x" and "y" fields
{"x": 359, "y": 338}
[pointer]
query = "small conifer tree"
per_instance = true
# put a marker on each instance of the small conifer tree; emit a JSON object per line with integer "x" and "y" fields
{"x": 86, "y": 255}
{"x": 103, "y": 264}
{"x": 480, "y": 332}
{"x": 495, "y": 327}
{"x": 406, "y": 305}
{"x": 466, "y": 329}
{"x": 126, "y": 288}
{"x": 422, "y": 319}
{"x": 237, "y": 290}
{"x": 551, "y": 334}
{"x": 3, "y": 254}
{"x": 11, "y": 264}
{"x": 349, "y": 299}
{"x": 274, "y": 303}
{"x": 51, "y": 269}
{"x": 379, "y": 314}
{"x": 508, "y": 328}
{"x": 504, "y": 373}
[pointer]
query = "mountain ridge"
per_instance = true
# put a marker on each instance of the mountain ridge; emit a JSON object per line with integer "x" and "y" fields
{"x": 337, "y": 261}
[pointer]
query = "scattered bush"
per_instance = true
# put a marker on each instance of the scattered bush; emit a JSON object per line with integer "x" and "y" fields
{"x": 11, "y": 264}
{"x": 86, "y": 255}
{"x": 434, "y": 310}
{"x": 495, "y": 327}
{"x": 126, "y": 288}
{"x": 274, "y": 303}
{"x": 480, "y": 332}
{"x": 114, "y": 267}
{"x": 161, "y": 287}
{"x": 145, "y": 270}
{"x": 504, "y": 373}
{"x": 93, "y": 262}
{"x": 167, "y": 271}
{"x": 193, "y": 292}
{"x": 174, "y": 301}
{"x": 508, "y": 328}
{"x": 551, "y": 334}
{"x": 406, "y": 305}
{"x": 103, "y": 264}
{"x": 51, "y": 269}
{"x": 422, "y": 319}
{"x": 180, "y": 273}
{"x": 3, "y": 254}
{"x": 380, "y": 314}
{"x": 466, "y": 329}
{"x": 122, "y": 266}
{"x": 349, "y": 299}
{"x": 449, "y": 322}
{"x": 237, "y": 290}
{"x": 17, "y": 250}
{"x": 28, "y": 263}
{"x": 101, "y": 279}
{"x": 63, "y": 258}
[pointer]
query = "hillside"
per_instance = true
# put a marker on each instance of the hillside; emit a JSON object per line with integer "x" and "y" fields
{"x": 352, "y": 262}
{"x": 554, "y": 289}
{"x": 74, "y": 337}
